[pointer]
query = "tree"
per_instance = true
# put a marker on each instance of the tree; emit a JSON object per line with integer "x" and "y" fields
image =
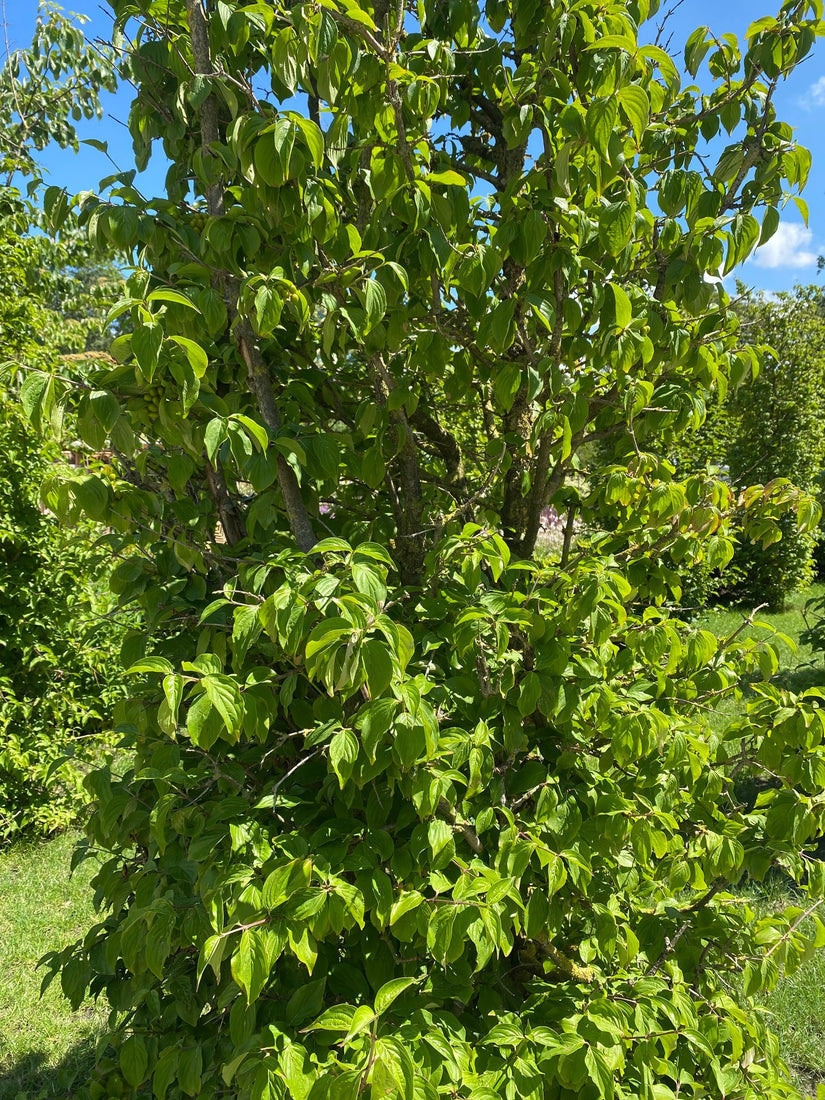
{"x": 784, "y": 405}
{"x": 409, "y": 812}
{"x": 57, "y": 650}
{"x": 48, "y": 86}
{"x": 770, "y": 426}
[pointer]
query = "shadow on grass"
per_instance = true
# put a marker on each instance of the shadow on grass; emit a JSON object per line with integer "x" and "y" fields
{"x": 801, "y": 678}
{"x": 35, "y": 1077}
{"x": 807, "y": 1078}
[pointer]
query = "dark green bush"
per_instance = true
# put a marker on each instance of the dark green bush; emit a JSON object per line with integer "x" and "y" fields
{"x": 780, "y": 432}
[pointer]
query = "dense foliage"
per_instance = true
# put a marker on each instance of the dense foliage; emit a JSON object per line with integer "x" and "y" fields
{"x": 57, "y": 658}
{"x": 58, "y": 676}
{"x": 781, "y": 432}
{"x": 411, "y": 814}
{"x": 771, "y": 426}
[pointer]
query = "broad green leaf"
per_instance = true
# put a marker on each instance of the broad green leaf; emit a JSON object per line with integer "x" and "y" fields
{"x": 343, "y": 752}
{"x": 37, "y": 396}
{"x": 390, "y": 991}
{"x": 166, "y": 294}
{"x": 256, "y": 431}
{"x": 134, "y": 1060}
{"x": 600, "y": 122}
{"x": 336, "y": 1018}
{"x": 197, "y": 357}
{"x": 190, "y": 1069}
{"x": 622, "y": 309}
{"x": 150, "y": 664}
{"x": 225, "y": 696}
{"x": 250, "y": 965}
{"x": 634, "y": 102}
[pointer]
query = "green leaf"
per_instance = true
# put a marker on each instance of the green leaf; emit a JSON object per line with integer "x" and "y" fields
{"x": 166, "y": 1071}
{"x": 173, "y": 693}
{"x": 405, "y": 904}
{"x": 448, "y": 177}
{"x": 600, "y": 122}
{"x": 615, "y": 227}
{"x": 37, "y": 396}
{"x": 343, "y": 752}
{"x": 373, "y": 467}
{"x": 337, "y": 1018}
{"x": 105, "y": 407}
{"x": 375, "y": 302}
{"x": 197, "y": 357}
{"x": 190, "y": 1068}
{"x": 92, "y": 494}
{"x": 215, "y": 434}
{"x": 770, "y": 224}
{"x": 211, "y": 954}
{"x": 134, "y": 1060}
{"x": 256, "y": 431}
{"x": 767, "y": 22}
{"x": 369, "y": 580}
{"x": 165, "y": 294}
{"x": 313, "y": 137}
{"x": 373, "y": 721}
{"x": 150, "y": 664}
{"x": 390, "y": 991}
{"x": 250, "y": 965}
{"x": 146, "y": 344}
{"x": 225, "y": 696}
{"x": 332, "y": 546}
{"x": 613, "y": 42}
{"x": 377, "y": 662}
{"x": 246, "y": 630}
{"x": 506, "y": 384}
{"x": 622, "y": 309}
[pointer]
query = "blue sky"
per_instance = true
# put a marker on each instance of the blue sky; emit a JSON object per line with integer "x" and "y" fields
{"x": 790, "y": 257}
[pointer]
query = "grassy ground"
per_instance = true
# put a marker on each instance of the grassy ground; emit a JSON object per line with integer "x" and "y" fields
{"x": 797, "y": 1008}
{"x": 797, "y": 1005}
{"x": 43, "y": 1045}
{"x": 798, "y": 671}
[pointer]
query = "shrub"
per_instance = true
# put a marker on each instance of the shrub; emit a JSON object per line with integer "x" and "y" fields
{"x": 409, "y": 813}
{"x": 58, "y": 677}
{"x": 781, "y": 432}
{"x": 770, "y": 426}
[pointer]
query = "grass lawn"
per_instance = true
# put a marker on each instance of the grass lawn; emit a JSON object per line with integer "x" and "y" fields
{"x": 44, "y": 1046}
{"x": 797, "y": 1005}
{"x": 798, "y": 671}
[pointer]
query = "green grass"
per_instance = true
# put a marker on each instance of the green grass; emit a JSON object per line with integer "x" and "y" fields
{"x": 797, "y": 671}
{"x": 44, "y": 1046}
{"x": 797, "y": 1005}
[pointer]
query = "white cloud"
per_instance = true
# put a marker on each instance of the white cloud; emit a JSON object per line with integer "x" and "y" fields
{"x": 816, "y": 94}
{"x": 790, "y": 246}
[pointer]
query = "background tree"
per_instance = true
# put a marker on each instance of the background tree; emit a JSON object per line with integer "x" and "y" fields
{"x": 781, "y": 431}
{"x": 408, "y": 812}
{"x": 769, "y": 426}
{"x": 48, "y": 86}
{"x": 57, "y": 650}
